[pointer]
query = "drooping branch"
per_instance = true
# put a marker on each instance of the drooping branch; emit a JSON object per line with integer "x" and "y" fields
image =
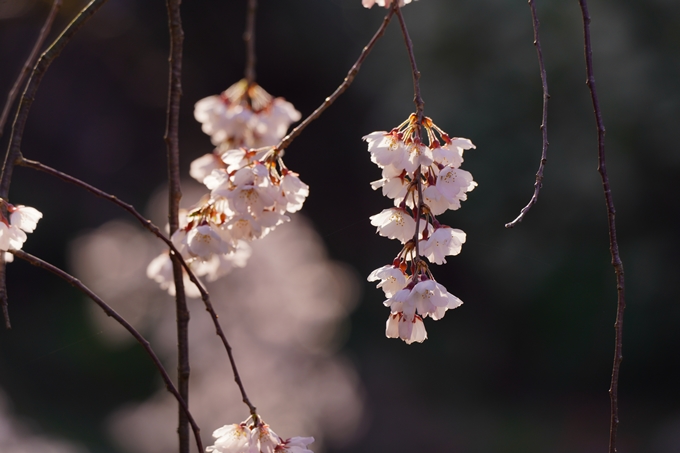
{"x": 14, "y": 148}
{"x": 30, "y": 61}
{"x": 174, "y": 196}
{"x": 544, "y": 123}
{"x": 73, "y": 281}
{"x": 354, "y": 70}
{"x": 147, "y": 224}
{"x": 249, "y": 39}
{"x": 613, "y": 243}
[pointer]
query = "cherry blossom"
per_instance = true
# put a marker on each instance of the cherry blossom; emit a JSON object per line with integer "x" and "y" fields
{"x": 394, "y": 223}
{"x": 386, "y": 149}
{"x": 245, "y": 115}
{"x": 250, "y": 188}
{"x": 409, "y": 328}
{"x": 444, "y": 241}
{"x": 385, "y": 3}
{"x": 410, "y": 305}
{"x": 202, "y": 167}
{"x": 394, "y": 184}
{"x": 392, "y": 279}
{"x": 231, "y": 438}
{"x": 294, "y": 190}
{"x": 255, "y": 436}
{"x": 454, "y": 184}
{"x": 22, "y": 220}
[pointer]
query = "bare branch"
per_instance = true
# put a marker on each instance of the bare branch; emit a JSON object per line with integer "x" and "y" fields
{"x": 156, "y": 232}
{"x": 613, "y": 243}
{"x": 73, "y": 281}
{"x": 544, "y": 124}
{"x": 174, "y": 196}
{"x": 249, "y": 39}
{"x": 146, "y": 223}
{"x": 417, "y": 98}
{"x": 14, "y": 148}
{"x": 30, "y": 61}
{"x": 288, "y": 139}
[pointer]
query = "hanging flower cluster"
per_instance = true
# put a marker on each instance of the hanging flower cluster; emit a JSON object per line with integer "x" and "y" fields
{"x": 22, "y": 220}
{"x": 242, "y": 116}
{"x": 255, "y": 437}
{"x": 424, "y": 180}
{"x": 251, "y": 190}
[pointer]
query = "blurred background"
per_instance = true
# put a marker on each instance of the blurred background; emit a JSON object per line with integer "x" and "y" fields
{"x": 522, "y": 367}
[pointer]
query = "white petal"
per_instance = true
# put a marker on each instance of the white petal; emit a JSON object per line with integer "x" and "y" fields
{"x": 25, "y": 217}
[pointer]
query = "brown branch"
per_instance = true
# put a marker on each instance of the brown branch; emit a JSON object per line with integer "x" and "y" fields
{"x": 613, "y": 243}
{"x": 417, "y": 98}
{"x": 174, "y": 196}
{"x": 14, "y": 147}
{"x": 30, "y": 61}
{"x": 249, "y": 39}
{"x": 73, "y": 281}
{"x": 3, "y": 295}
{"x": 23, "y": 162}
{"x": 544, "y": 124}
{"x": 288, "y": 139}
{"x": 147, "y": 224}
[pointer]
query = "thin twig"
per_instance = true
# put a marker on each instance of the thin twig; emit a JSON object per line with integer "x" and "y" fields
{"x": 613, "y": 243}
{"x": 147, "y": 224}
{"x": 30, "y": 61}
{"x": 288, "y": 139}
{"x": 417, "y": 98}
{"x": 14, "y": 148}
{"x": 249, "y": 39}
{"x": 420, "y": 107}
{"x": 544, "y": 124}
{"x": 73, "y": 281}
{"x": 174, "y": 196}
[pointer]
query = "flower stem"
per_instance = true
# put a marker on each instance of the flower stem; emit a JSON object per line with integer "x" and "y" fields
{"x": 420, "y": 107}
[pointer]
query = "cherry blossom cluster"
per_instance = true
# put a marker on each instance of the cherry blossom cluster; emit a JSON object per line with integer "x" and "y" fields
{"x": 255, "y": 437}
{"x": 251, "y": 189}
{"x": 22, "y": 220}
{"x": 424, "y": 179}
{"x": 243, "y": 116}
{"x": 385, "y": 3}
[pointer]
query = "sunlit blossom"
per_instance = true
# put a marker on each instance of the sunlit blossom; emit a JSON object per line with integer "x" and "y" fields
{"x": 255, "y": 436}
{"x": 22, "y": 220}
{"x": 384, "y": 3}
{"x": 245, "y": 115}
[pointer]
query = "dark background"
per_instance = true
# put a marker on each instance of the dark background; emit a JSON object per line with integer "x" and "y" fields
{"x": 524, "y": 365}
